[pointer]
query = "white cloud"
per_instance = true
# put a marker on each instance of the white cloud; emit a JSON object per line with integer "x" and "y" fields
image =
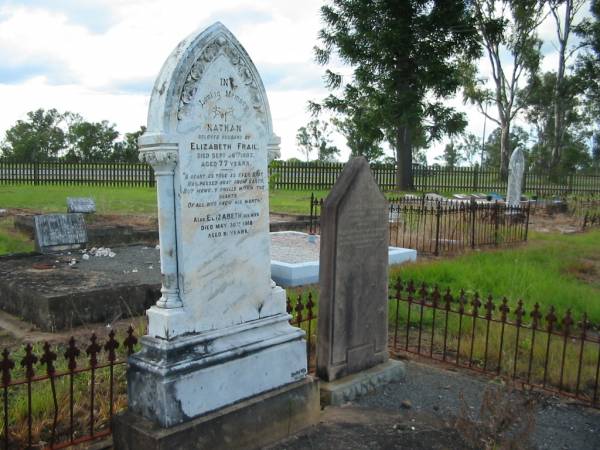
{"x": 100, "y": 57}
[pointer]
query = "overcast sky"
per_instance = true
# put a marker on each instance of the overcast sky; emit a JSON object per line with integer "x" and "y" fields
{"x": 99, "y": 58}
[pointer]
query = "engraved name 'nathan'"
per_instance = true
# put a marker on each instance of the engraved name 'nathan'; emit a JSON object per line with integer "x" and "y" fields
{"x": 223, "y": 127}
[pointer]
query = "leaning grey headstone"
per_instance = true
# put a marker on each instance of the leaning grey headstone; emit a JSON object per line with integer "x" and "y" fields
{"x": 353, "y": 304}
{"x": 516, "y": 168}
{"x": 59, "y": 232}
{"x": 84, "y": 205}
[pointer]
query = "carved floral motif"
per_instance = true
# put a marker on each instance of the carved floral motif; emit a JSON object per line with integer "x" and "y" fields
{"x": 219, "y": 46}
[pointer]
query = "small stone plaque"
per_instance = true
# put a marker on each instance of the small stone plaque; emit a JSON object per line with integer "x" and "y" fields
{"x": 59, "y": 232}
{"x": 81, "y": 205}
{"x": 353, "y": 275}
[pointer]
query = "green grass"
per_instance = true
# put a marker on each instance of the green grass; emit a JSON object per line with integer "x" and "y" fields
{"x": 293, "y": 202}
{"x": 547, "y": 270}
{"x": 109, "y": 200}
{"x": 125, "y": 200}
{"x": 12, "y": 241}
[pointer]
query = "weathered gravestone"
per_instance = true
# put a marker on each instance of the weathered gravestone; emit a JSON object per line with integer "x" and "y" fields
{"x": 219, "y": 339}
{"x": 84, "y": 205}
{"x": 516, "y": 168}
{"x": 353, "y": 278}
{"x": 59, "y": 232}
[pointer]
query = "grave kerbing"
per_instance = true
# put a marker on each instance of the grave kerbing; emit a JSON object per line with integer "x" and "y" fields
{"x": 220, "y": 334}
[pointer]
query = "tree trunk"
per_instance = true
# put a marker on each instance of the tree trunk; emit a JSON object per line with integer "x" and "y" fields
{"x": 504, "y": 150}
{"x": 404, "y": 172}
{"x": 559, "y": 113}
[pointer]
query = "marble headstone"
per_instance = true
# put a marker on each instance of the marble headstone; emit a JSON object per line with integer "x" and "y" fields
{"x": 353, "y": 275}
{"x": 59, "y": 232}
{"x": 84, "y": 205}
{"x": 220, "y": 331}
{"x": 516, "y": 168}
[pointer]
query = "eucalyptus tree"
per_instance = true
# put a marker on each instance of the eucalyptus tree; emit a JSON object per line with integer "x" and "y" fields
{"x": 563, "y": 13}
{"x": 404, "y": 57}
{"x": 508, "y": 32}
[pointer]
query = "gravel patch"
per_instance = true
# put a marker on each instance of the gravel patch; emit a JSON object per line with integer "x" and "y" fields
{"x": 419, "y": 413}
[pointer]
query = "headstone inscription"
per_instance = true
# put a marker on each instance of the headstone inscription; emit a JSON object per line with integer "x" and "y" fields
{"x": 220, "y": 332}
{"x": 353, "y": 275}
{"x": 59, "y": 232}
{"x": 84, "y": 205}
{"x": 516, "y": 168}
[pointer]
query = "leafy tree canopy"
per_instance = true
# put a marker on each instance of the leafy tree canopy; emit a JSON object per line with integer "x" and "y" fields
{"x": 404, "y": 56}
{"x": 316, "y": 136}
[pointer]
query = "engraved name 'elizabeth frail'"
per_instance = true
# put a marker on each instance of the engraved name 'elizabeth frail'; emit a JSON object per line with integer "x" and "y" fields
{"x": 225, "y": 153}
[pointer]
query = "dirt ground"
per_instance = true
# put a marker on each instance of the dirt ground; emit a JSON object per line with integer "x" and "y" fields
{"x": 435, "y": 408}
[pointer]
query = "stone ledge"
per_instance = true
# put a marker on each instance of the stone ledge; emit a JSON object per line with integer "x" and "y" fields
{"x": 249, "y": 424}
{"x": 335, "y": 393}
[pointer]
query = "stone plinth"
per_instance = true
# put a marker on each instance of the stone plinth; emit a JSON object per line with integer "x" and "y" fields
{"x": 346, "y": 389}
{"x": 172, "y": 382}
{"x": 247, "y": 425}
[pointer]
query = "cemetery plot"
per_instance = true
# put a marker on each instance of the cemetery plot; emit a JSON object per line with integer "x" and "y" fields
{"x": 56, "y": 292}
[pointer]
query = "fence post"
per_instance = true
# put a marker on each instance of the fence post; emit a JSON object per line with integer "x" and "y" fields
{"x": 476, "y": 177}
{"x": 570, "y": 184}
{"x": 438, "y": 216}
{"x": 312, "y": 206}
{"x": 527, "y": 221}
{"x": 473, "y": 210}
{"x": 496, "y": 222}
{"x": 36, "y": 173}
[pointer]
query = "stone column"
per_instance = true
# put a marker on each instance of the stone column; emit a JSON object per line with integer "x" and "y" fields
{"x": 163, "y": 159}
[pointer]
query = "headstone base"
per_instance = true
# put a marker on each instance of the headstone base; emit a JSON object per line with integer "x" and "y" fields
{"x": 173, "y": 381}
{"x": 343, "y": 390}
{"x": 249, "y": 424}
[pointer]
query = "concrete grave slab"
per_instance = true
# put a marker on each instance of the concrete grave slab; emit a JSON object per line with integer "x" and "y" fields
{"x": 295, "y": 258}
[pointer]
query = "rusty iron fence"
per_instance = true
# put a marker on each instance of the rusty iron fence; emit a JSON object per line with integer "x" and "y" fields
{"x": 48, "y": 407}
{"x": 541, "y": 350}
{"x": 436, "y": 227}
{"x": 587, "y": 210}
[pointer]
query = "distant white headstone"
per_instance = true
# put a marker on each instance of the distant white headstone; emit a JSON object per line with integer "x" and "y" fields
{"x": 516, "y": 168}
{"x": 59, "y": 232}
{"x": 84, "y": 205}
